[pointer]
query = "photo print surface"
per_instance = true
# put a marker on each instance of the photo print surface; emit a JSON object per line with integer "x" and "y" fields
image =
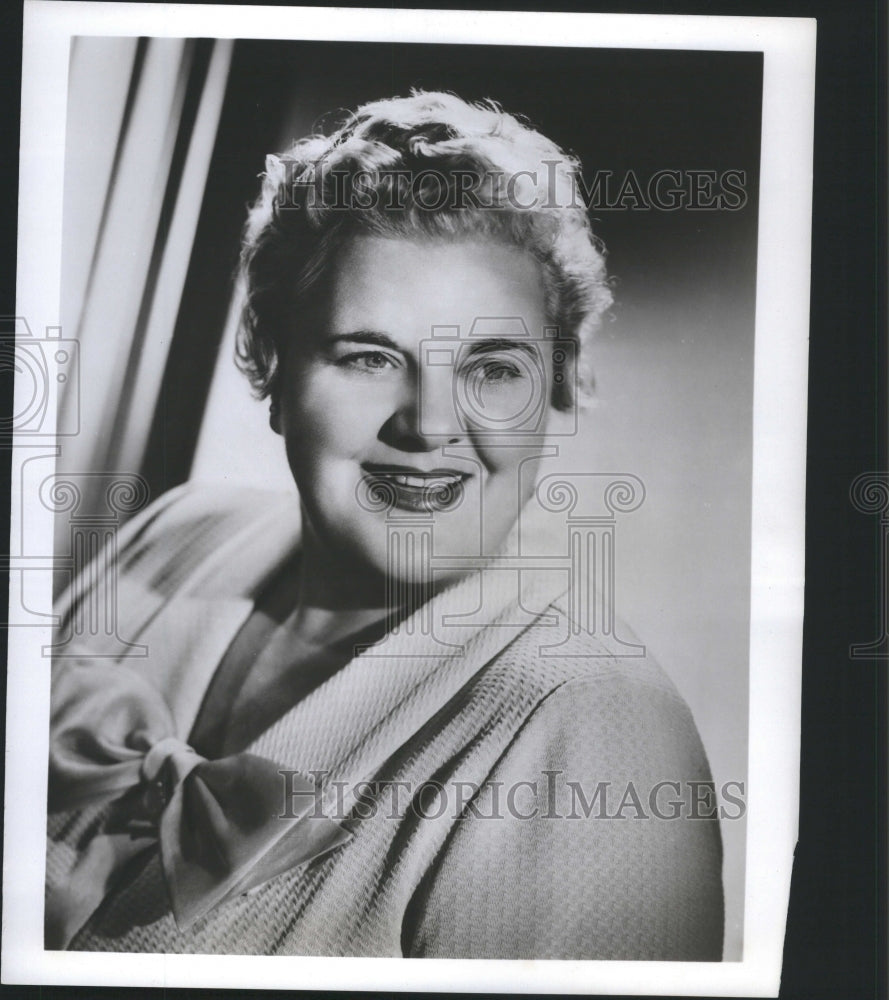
{"x": 402, "y": 495}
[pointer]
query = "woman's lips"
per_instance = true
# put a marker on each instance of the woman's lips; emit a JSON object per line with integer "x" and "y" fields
{"x": 414, "y": 490}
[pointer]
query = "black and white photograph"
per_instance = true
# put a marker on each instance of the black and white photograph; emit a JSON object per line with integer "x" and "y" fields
{"x": 407, "y": 497}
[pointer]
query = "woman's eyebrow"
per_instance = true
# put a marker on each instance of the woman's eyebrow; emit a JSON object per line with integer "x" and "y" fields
{"x": 472, "y": 347}
{"x": 365, "y": 337}
{"x": 502, "y": 344}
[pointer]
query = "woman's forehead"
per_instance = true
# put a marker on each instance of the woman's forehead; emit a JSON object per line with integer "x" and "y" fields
{"x": 477, "y": 286}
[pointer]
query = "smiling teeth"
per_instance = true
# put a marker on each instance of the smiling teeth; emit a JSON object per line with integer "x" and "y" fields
{"x": 420, "y": 482}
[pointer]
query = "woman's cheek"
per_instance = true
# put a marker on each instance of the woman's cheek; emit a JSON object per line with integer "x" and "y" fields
{"x": 339, "y": 396}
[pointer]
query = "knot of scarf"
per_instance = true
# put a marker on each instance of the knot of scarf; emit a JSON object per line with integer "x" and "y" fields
{"x": 221, "y": 826}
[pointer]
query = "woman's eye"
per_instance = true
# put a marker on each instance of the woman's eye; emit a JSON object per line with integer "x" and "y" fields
{"x": 367, "y": 361}
{"x": 494, "y": 371}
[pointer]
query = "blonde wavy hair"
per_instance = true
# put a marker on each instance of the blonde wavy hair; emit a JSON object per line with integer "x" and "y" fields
{"x": 427, "y": 166}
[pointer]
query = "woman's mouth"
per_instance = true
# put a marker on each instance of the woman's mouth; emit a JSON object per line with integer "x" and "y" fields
{"x": 413, "y": 489}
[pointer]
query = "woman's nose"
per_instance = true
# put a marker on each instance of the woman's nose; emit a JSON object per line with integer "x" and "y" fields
{"x": 426, "y": 416}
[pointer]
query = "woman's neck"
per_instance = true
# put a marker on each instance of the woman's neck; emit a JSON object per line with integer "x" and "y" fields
{"x": 334, "y": 596}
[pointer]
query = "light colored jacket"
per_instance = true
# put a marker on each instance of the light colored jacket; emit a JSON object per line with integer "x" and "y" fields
{"x": 518, "y": 805}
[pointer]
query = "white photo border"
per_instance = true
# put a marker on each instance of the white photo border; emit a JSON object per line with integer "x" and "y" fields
{"x": 778, "y": 501}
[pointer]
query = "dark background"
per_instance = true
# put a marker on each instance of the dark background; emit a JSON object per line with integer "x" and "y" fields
{"x": 836, "y": 936}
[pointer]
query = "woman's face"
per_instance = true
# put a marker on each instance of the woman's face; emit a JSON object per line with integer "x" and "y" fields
{"x": 420, "y": 392}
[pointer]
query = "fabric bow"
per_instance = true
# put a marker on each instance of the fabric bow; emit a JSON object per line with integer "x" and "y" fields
{"x": 218, "y": 823}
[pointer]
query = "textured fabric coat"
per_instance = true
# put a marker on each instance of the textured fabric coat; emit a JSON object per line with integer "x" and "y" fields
{"x": 516, "y": 805}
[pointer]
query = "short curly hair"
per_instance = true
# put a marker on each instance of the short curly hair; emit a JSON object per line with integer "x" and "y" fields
{"x": 427, "y": 166}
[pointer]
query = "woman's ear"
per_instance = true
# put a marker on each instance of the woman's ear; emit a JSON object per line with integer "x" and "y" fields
{"x": 275, "y": 417}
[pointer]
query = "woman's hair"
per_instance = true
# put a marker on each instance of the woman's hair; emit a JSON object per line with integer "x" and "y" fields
{"x": 428, "y": 166}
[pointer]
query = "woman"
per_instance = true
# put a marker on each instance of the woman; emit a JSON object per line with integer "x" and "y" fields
{"x": 371, "y": 726}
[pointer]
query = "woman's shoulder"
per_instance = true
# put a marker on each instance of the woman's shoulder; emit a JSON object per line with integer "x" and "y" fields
{"x": 606, "y": 845}
{"x": 588, "y": 711}
{"x": 578, "y": 670}
{"x": 618, "y": 717}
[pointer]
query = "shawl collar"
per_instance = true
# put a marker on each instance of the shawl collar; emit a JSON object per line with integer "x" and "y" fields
{"x": 384, "y": 695}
